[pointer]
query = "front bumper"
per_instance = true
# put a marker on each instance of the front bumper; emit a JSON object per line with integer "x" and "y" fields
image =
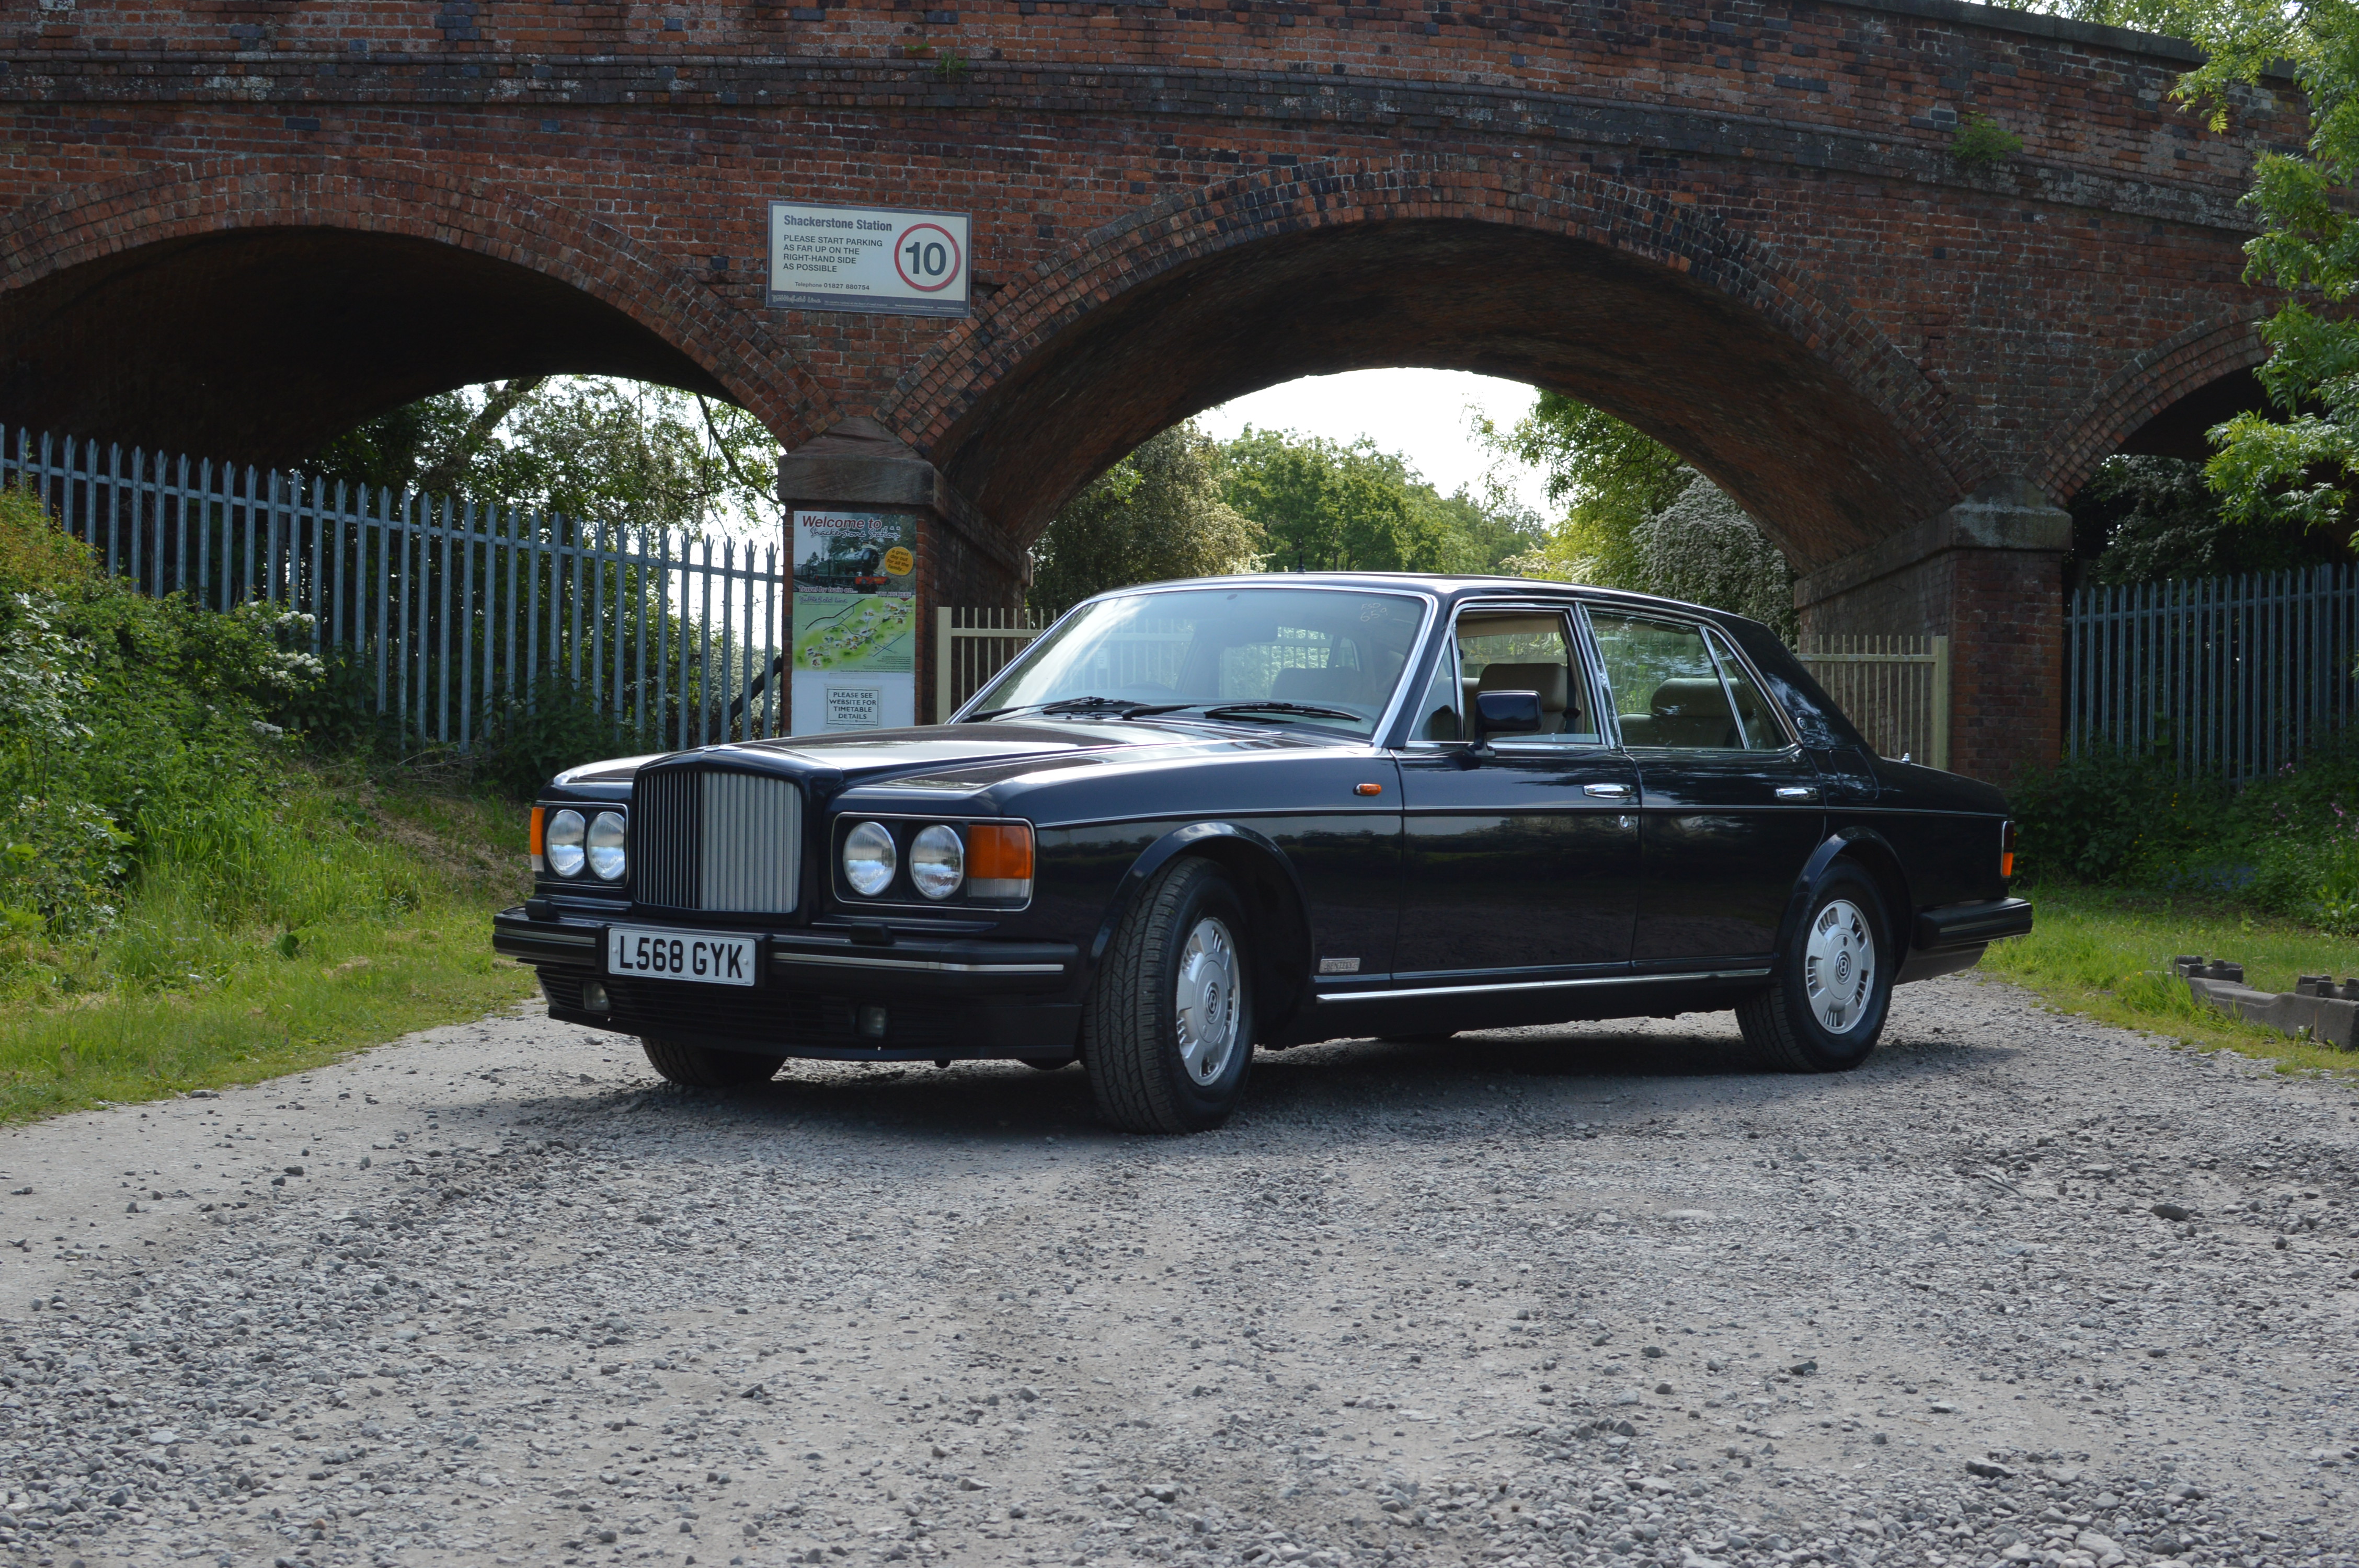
{"x": 819, "y": 993}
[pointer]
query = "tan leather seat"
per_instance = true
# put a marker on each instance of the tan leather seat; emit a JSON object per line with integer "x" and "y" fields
{"x": 1551, "y": 681}
{"x": 1691, "y": 712}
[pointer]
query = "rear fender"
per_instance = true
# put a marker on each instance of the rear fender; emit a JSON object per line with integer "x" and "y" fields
{"x": 1875, "y": 855}
{"x": 1272, "y": 890}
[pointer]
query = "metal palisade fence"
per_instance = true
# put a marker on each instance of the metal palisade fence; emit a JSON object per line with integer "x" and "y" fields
{"x": 2229, "y": 676}
{"x": 444, "y": 612}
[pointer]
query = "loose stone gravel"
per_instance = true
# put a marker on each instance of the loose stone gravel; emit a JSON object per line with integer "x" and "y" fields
{"x": 1589, "y": 1294}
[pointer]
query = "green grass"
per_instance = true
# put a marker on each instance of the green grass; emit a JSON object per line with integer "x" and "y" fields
{"x": 362, "y": 912}
{"x": 2106, "y": 953}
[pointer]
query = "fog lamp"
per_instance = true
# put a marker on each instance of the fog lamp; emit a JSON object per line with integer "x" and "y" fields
{"x": 594, "y": 998}
{"x": 872, "y": 1024}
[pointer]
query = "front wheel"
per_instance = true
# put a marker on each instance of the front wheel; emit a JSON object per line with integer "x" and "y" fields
{"x": 1832, "y": 985}
{"x": 1167, "y": 1034}
{"x": 702, "y": 1067}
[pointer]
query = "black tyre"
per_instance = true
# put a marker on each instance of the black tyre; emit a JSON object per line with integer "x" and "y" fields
{"x": 1832, "y": 987}
{"x": 702, "y": 1067}
{"x": 1166, "y": 1034}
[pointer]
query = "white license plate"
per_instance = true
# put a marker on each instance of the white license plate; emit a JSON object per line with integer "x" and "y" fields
{"x": 699, "y": 955}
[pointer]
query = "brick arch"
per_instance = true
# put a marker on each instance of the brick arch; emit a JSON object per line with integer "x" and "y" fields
{"x": 1815, "y": 421}
{"x": 2151, "y": 381}
{"x": 263, "y": 304}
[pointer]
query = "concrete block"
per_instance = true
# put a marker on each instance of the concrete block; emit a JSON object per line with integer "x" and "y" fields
{"x": 2326, "y": 1020}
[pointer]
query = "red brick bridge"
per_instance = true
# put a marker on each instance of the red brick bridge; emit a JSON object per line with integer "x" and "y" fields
{"x": 239, "y": 226}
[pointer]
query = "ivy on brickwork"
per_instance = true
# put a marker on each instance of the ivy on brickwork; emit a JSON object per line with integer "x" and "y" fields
{"x": 1983, "y": 142}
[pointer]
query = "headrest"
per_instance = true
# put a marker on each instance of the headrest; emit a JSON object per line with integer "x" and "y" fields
{"x": 1549, "y": 680}
{"x": 1330, "y": 685}
{"x": 1694, "y": 698}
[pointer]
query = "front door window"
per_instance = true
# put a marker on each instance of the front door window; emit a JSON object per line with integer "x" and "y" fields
{"x": 1512, "y": 651}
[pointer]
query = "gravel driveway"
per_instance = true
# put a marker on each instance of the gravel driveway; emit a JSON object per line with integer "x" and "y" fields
{"x": 1588, "y": 1293}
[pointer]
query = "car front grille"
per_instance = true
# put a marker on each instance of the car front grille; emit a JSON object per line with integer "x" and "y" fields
{"x": 726, "y": 843}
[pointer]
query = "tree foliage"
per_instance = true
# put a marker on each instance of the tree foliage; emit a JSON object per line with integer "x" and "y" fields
{"x": 1703, "y": 549}
{"x": 1609, "y": 476}
{"x": 1322, "y": 505}
{"x": 1158, "y": 514}
{"x": 592, "y": 446}
{"x": 2292, "y": 466}
{"x": 2145, "y": 519}
{"x": 1638, "y": 517}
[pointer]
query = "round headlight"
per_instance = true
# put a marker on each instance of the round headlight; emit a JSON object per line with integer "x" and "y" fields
{"x": 564, "y": 843}
{"x": 869, "y": 859}
{"x": 606, "y": 853}
{"x": 937, "y": 861}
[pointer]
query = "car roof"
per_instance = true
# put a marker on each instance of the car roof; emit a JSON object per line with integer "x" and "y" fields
{"x": 1449, "y": 586}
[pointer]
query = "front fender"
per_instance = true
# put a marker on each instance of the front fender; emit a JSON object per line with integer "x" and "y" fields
{"x": 1870, "y": 847}
{"x": 1284, "y": 965}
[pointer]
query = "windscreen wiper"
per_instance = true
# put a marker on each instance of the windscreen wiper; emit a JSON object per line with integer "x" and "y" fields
{"x": 1305, "y": 710}
{"x": 1126, "y": 707}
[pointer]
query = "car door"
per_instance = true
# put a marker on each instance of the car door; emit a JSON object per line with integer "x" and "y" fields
{"x": 1730, "y": 808}
{"x": 1521, "y": 856}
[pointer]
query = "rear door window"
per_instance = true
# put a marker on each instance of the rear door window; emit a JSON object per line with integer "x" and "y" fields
{"x": 1665, "y": 683}
{"x": 1765, "y": 728}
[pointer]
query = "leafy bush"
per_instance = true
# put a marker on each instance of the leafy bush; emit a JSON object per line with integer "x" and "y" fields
{"x": 529, "y": 741}
{"x": 2287, "y": 844}
{"x": 125, "y": 722}
{"x": 2108, "y": 815}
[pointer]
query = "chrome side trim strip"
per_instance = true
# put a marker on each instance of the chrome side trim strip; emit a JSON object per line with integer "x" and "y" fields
{"x": 830, "y": 961}
{"x": 1541, "y": 985}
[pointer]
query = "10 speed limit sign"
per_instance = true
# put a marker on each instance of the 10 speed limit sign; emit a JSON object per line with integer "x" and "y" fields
{"x": 824, "y": 257}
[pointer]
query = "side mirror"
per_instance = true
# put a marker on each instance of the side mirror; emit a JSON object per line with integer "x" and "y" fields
{"x": 1506, "y": 713}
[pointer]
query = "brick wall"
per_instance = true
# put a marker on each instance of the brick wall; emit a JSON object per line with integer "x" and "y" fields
{"x": 242, "y": 226}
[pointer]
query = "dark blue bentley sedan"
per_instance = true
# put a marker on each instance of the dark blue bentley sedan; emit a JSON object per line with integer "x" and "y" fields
{"x": 1195, "y": 818}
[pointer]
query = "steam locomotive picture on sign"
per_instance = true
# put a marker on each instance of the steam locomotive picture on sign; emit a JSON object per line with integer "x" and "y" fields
{"x": 856, "y": 621}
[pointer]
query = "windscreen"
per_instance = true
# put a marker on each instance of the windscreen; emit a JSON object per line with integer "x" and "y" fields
{"x": 1328, "y": 657}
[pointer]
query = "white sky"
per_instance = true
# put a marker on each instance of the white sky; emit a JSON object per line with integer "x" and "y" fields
{"x": 1421, "y": 413}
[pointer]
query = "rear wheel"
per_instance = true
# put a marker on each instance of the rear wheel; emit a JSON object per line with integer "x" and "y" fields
{"x": 1832, "y": 987}
{"x": 702, "y": 1067}
{"x": 1167, "y": 1034}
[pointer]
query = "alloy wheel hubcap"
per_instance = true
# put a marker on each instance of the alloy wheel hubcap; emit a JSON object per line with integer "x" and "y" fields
{"x": 1839, "y": 966}
{"x": 1208, "y": 1000}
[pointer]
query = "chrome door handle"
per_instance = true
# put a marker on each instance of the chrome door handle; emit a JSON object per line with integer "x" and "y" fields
{"x": 1609, "y": 791}
{"x": 1797, "y": 792}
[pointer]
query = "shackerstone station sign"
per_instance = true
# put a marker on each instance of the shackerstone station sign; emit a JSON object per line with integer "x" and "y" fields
{"x": 825, "y": 257}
